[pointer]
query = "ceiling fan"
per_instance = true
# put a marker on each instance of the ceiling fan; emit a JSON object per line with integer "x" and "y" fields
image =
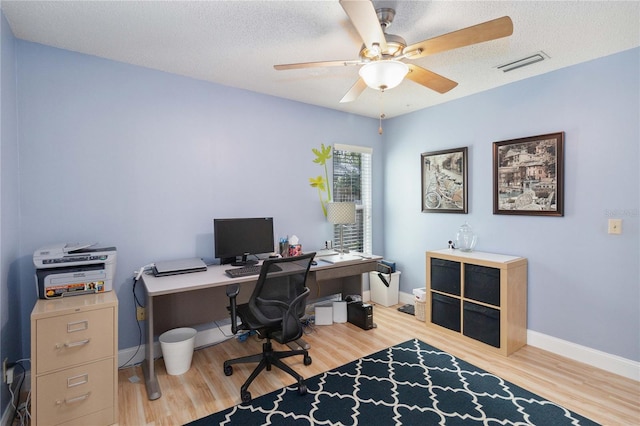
{"x": 382, "y": 56}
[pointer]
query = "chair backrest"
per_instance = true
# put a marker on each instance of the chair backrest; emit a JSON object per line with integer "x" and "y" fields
{"x": 279, "y": 298}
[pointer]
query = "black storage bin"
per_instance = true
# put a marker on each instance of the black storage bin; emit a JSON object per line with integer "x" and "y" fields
{"x": 482, "y": 283}
{"x": 445, "y": 311}
{"x": 482, "y": 323}
{"x": 445, "y": 276}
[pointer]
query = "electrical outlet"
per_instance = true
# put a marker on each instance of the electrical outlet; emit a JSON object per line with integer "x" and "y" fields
{"x": 4, "y": 370}
{"x": 141, "y": 313}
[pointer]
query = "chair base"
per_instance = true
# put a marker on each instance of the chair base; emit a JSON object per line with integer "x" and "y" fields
{"x": 267, "y": 359}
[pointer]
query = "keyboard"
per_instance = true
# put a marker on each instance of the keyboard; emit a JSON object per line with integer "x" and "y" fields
{"x": 246, "y": 271}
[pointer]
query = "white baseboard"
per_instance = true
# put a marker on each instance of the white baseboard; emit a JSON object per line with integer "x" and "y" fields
{"x": 602, "y": 360}
{"x": 406, "y": 298}
{"x": 206, "y": 337}
{"x": 595, "y": 358}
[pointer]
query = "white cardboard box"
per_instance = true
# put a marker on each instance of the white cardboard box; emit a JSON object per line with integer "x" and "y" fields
{"x": 420, "y": 294}
{"x": 324, "y": 314}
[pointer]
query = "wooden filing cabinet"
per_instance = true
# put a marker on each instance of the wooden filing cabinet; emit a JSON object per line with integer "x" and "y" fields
{"x": 478, "y": 297}
{"x": 74, "y": 354}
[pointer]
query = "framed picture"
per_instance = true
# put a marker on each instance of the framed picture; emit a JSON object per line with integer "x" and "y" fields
{"x": 528, "y": 176}
{"x": 444, "y": 181}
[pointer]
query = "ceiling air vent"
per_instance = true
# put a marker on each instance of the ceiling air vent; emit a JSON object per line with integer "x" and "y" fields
{"x": 532, "y": 59}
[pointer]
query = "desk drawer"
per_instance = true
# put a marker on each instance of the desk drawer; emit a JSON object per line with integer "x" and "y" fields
{"x": 344, "y": 271}
{"x": 76, "y": 392}
{"x": 74, "y": 338}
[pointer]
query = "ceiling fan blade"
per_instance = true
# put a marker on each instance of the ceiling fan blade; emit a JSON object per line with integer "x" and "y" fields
{"x": 430, "y": 79}
{"x": 316, "y": 64}
{"x": 364, "y": 18}
{"x": 354, "y": 92}
{"x": 490, "y": 30}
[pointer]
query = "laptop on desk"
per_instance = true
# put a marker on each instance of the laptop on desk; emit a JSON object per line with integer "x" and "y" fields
{"x": 182, "y": 266}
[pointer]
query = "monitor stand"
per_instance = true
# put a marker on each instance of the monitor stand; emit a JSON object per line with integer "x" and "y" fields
{"x": 244, "y": 261}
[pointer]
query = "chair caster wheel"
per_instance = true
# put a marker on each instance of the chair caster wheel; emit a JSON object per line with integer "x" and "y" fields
{"x": 307, "y": 360}
{"x": 246, "y": 397}
{"x": 302, "y": 389}
{"x": 228, "y": 370}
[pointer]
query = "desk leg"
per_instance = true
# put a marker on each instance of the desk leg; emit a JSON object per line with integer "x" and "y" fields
{"x": 148, "y": 366}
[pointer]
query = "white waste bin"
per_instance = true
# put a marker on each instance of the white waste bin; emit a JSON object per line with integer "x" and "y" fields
{"x": 421, "y": 303}
{"x": 177, "y": 349}
{"x": 380, "y": 293}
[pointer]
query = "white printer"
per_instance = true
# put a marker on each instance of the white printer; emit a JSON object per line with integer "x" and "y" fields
{"x": 73, "y": 269}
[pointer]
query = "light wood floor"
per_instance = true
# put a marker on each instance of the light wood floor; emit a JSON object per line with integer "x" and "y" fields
{"x": 601, "y": 396}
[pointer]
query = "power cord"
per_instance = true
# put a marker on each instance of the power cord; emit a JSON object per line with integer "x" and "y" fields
{"x": 25, "y": 418}
{"x": 136, "y": 303}
{"x": 136, "y": 278}
{"x": 308, "y": 325}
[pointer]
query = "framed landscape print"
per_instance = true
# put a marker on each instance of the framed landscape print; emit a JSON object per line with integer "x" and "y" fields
{"x": 528, "y": 176}
{"x": 444, "y": 181}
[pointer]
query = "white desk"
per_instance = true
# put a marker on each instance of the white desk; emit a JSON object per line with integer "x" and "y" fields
{"x": 204, "y": 295}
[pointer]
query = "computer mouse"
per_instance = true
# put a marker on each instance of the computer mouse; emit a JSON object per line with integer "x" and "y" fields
{"x": 313, "y": 262}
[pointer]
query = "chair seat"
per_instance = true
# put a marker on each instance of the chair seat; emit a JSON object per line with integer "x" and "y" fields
{"x": 250, "y": 322}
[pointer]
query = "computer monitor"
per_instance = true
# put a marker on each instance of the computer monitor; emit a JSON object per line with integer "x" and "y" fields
{"x": 240, "y": 237}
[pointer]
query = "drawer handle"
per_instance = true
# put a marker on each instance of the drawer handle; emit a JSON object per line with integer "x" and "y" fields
{"x": 77, "y": 326}
{"x": 73, "y": 344}
{"x": 77, "y": 380}
{"x": 73, "y": 400}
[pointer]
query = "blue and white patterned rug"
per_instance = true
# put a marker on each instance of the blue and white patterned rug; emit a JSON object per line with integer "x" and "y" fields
{"x": 412, "y": 383}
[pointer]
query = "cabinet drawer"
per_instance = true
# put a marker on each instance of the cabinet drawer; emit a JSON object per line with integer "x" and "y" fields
{"x": 482, "y": 323}
{"x": 445, "y": 276}
{"x": 75, "y": 392}
{"x": 74, "y": 338}
{"x": 482, "y": 283}
{"x": 445, "y": 311}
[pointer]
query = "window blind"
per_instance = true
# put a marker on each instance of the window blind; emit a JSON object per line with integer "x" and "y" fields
{"x": 352, "y": 182}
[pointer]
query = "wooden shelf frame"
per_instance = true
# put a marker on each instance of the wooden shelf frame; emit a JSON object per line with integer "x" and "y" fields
{"x": 513, "y": 297}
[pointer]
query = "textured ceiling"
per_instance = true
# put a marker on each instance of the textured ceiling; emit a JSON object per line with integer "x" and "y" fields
{"x": 236, "y": 43}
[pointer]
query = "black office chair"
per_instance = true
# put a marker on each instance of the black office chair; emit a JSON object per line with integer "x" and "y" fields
{"x": 274, "y": 311}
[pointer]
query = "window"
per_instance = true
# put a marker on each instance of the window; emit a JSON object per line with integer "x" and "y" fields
{"x": 352, "y": 182}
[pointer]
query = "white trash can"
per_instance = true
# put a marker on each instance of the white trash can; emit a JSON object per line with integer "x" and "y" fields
{"x": 177, "y": 349}
{"x": 380, "y": 293}
{"x": 421, "y": 303}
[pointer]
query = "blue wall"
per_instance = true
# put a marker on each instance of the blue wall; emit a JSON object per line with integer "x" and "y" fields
{"x": 9, "y": 204}
{"x": 144, "y": 160}
{"x": 583, "y": 283}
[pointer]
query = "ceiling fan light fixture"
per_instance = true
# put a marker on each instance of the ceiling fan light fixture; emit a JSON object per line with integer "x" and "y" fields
{"x": 383, "y": 75}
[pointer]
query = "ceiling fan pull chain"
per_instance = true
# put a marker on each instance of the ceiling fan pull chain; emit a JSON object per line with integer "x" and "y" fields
{"x": 381, "y": 112}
